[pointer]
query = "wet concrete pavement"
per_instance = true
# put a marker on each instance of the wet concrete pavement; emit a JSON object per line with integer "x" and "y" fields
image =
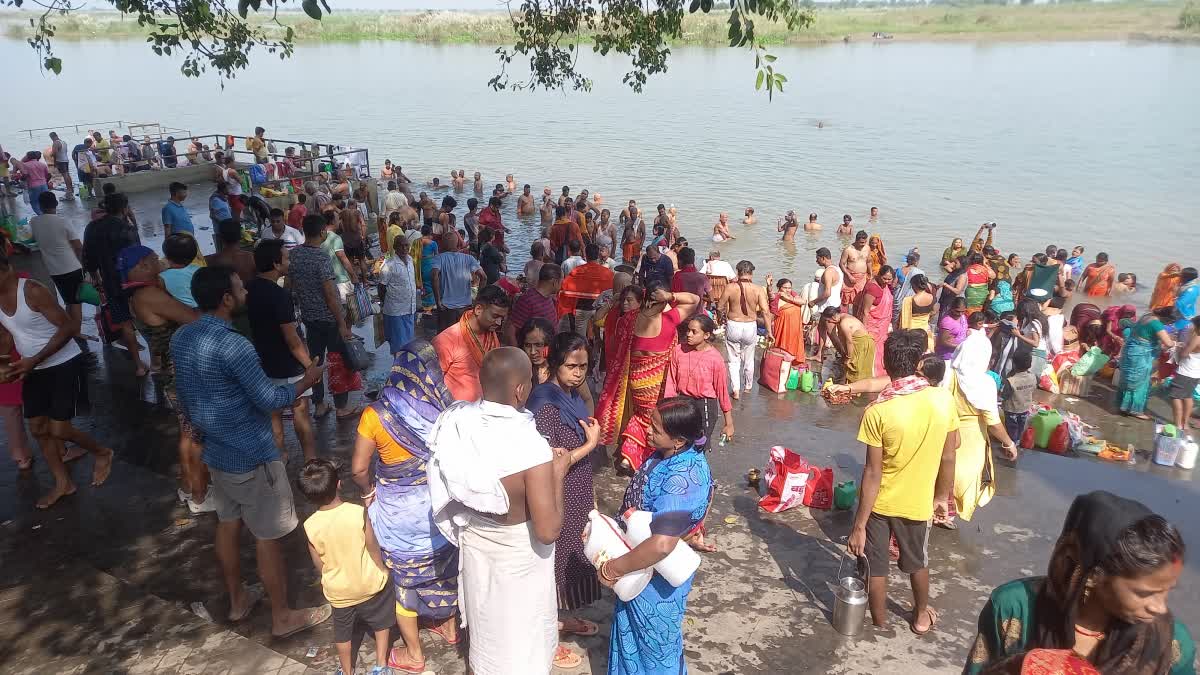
{"x": 101, "y": 582}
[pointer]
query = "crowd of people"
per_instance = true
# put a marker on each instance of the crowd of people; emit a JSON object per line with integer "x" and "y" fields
{"x": 475, "y": 461}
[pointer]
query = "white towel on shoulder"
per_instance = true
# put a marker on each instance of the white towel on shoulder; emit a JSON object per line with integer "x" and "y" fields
{"x": 474, "y": 445}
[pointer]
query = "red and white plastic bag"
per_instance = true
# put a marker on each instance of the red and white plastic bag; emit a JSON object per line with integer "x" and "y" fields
{"x": 787, "y": 475}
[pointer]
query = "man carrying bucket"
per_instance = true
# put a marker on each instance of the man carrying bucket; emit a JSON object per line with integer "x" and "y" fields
{"x": 911, "y": 433}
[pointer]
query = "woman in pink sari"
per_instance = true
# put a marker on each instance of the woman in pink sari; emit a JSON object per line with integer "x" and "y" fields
{"x": 875, "y": 310}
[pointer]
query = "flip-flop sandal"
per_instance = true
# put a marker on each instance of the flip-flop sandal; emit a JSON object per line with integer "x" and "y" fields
{"x": 589, "y": 628}
{"x": 443, "y": 634}
{"x": 933, "y": 618}
{"x": 253, "y": 597}
{"x": 25, "y": 465}
{"x": 316, "y": 617}
{"x": 404, "y": 666}
{"x": 566, "y": 659}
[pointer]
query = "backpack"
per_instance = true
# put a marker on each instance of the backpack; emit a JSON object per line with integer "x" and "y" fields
{"x": 258, "y": 174}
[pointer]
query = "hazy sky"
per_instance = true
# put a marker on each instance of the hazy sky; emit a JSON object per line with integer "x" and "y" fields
{"x": 373, "y": 4}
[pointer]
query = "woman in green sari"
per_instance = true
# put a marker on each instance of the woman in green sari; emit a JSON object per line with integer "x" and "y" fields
{"x": 1142, "y": 343}
{"x": 1104, "y": 596}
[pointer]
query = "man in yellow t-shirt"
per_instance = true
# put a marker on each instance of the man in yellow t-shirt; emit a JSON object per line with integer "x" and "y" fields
{"x": 258, "y": 145}
{"x": 345, "y": 552}
{"x": 911, "y": 433}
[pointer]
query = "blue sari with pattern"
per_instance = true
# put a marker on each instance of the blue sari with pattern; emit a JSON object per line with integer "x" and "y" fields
{"x": 422, "y": 563}
{"x": 647, "y": 632}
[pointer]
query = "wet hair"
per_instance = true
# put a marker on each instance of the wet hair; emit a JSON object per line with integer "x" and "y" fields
{"x": 1028, "y": 311}
{"x": 115, "y": 203}
{"x": 686, "y": 256}
{"x": 268, "y": 254}
{"x": 885, "y": 269}
{"x": 976, "y": 319}
{"x": 313, "y": 223}
{"x": 562, "y": 345}
{"x": 550, "y": 272}
{"x": 919, "y": 282}
{"x": 902, "y": 351}
{"x": 427, "y": 230}
{"x": 829, "y": 312}
{"x": 318, "y": 481}
{"x": 975, "y": 259}
{"x": 180, "y": 248}
{"x": 1061, "y": 255}
{"x": 1039, "y": 258}
{"x": 472, "y": 203}
{"x": 1167, "y": 314}
{"x": 494, "y": 296}
{"x": 655, "y": 285}
{"x": 1022, "y": 360}
{"x": 1101, "y": 257}
{"x": 1123, "y": 277}
{"x": 932, "y": 367}
{"x": 745, "y": 267}
{"x": 47, "y": 200}
{"x": 176, "y": 187}
{"x": 1187, "y": 275}
{"x": 1051, "y": 250}
{"x": 210, "y": 285}
{"x": 229, "y": 231}
{"x": 706, "y": 324}
{"x": 486, "y": 235}
{"x": 449, "y": 202}
{"x": 495, "y": 201}
{"x": 824, "y": 253}
{"x": 534, "y": 323}
{"x": 682, "y": 419}
{"x": 638, "y": 292}
{"x": 861, "y": 234}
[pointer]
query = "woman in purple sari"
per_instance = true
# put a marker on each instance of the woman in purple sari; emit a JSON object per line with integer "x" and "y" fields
{"x": 391, "y": 448}
{"x": 562, "y": 417}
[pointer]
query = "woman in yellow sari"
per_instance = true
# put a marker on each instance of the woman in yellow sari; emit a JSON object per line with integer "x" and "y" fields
{"x": 876, "y": 255}
{"x": 975, "y": 397}
{"x": 917, "y": 309}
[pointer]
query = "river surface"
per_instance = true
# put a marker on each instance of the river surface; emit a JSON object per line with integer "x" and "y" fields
{"x": 1060, "y": 143}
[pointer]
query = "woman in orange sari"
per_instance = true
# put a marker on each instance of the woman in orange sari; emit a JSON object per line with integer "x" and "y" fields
{"x": 790, "y": 313}
{"x": 1166, "y": 289}
{"x": 876, "y": 255}
{"x": 637, "y": 354}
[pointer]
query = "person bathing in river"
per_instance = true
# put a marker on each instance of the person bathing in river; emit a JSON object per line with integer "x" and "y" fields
{"x": 721, "y": 229}
{"x": 525, "y": 205}
{"x": 812, "y": 225}
{"x": 788, "y": 226}
{"x": 854, "y": 266}
{"x": 750, "y": 218}
{"x": 847, "y": 225}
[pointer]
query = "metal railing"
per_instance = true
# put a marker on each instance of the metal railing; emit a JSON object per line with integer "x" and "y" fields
{"x": 84, "y": 125}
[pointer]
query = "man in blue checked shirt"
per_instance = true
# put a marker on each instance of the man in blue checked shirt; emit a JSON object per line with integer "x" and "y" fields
{"x": 227, "y": 396}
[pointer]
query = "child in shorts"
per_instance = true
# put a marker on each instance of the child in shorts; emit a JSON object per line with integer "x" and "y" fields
{"x": 345, "y": 552}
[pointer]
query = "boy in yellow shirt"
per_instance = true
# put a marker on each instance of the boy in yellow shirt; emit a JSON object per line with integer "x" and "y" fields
{"x": 345, "y": 552}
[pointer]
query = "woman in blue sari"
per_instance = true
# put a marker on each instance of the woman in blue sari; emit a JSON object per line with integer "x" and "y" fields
{"x": 1187, "y": 303}
{"x": 674, "y": 484}
{"x": 1142, "y": 343}
{"x": 391, "y": 447}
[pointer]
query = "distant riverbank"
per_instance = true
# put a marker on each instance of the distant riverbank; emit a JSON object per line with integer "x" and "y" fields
{"x": 1073, "y": 21}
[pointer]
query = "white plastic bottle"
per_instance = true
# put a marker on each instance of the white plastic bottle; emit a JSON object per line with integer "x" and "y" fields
{"x": 679, "y": 565}
{"x": 1187, "y": 454}
{"x": 603, "y": 540}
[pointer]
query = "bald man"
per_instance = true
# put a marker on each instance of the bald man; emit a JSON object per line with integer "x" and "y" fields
{"x": 497, "y": 493}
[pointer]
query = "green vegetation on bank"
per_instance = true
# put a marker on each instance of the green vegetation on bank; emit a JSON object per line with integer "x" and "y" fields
{"x": 1077, "y": 20}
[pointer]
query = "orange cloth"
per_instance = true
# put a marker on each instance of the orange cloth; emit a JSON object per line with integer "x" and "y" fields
{"x": 585, "y": 282}
{"x": 460, "y": 353}
{"x": 561, "y": 232}
{"x": 1166, "y": 289}
{"x": 788, "y": 330}
{"x": 369, "y": 426}
{"x": 1100, "y": 279}
{"x": 876, "y": 256}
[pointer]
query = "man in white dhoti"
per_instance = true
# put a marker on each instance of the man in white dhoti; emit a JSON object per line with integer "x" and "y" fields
{"x": 497, "y": 493}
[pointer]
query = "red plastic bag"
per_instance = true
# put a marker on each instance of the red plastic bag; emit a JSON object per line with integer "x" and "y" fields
{"x": 787, "y": 474}
{"x": 774, "y": 370}
{"x": 818, "y": 491}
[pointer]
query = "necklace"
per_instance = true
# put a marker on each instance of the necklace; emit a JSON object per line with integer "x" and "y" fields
{"x": 1099, "y": 635}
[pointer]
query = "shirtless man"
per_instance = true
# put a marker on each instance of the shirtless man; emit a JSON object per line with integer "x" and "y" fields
{"x": 788, "y": 226}
{"x": 847, "y": 225}
{"x": 742, "y": 304}
{"x": 854, "y": 267}
{"x": 547, "y": 209}
{"x": 511, "y": 183}
{"x": 874, "y": 214}
{"x": 478, "y": 186}
{"x": 565, "y": 197}
{"x": 750, "y": 218}
{"x": 457, "y": 179}
{"x": 525, "y": 205}
{"x": 812, "y": 225}
{"x": 428, "y": 209}
{"x": 721, "y": 229}
{"x": 408, "y": 215}
{"x": 436, "y": 184}
{"x": 626, "y": 211}
{"x": 531, "y": 474}
{"x": 841, "y": 329}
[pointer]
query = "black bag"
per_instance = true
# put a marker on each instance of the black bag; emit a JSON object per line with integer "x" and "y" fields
{"x": 357, "y": 356}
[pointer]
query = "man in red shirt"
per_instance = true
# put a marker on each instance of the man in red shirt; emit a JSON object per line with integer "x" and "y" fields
{"x": 687, "y": 279}
{"x": 296, "y": 214}
{"x": 535, "y": 301}
{"x": 491, "y": 219}
{"x": 581, "y": 288}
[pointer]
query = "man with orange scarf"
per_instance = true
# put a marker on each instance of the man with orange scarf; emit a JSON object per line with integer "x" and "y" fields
{"x": 461, "y": 347}
{"x": 577, "y": 296}
{"x": 637, "y": 365}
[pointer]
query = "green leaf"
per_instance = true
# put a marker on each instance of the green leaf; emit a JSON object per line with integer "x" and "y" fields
{"x": 769, "y": 58}
{"x": 779, "y": 77}
{"x": 243, "y": 8}
{"x": 290, "y": 33}
{"x": 759, "y": 82}
{"x": 706, "y": 5}
{"x": 691, "y": 8}
{"x": 55, "y": 64}
{"x": 312, "y": 9}
{"x": 326, "y": 6}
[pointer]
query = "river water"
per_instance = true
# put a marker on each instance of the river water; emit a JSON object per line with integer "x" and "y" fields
{"x": 1065, "y": 143}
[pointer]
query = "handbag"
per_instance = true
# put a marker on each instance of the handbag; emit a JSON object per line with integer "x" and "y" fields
{"x": 357, "y": 356}
{"x": 775, "y": 368}
{"x": 363, "y": 300}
